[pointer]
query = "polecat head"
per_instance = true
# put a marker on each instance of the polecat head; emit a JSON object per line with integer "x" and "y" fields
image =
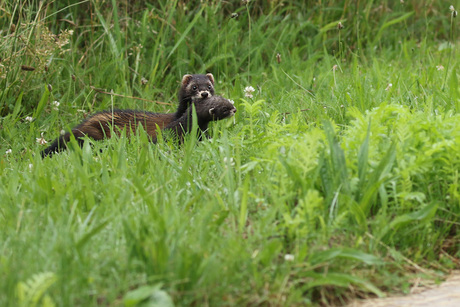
{"x": 214, "y": 108}
{"x": 197, "y": 86}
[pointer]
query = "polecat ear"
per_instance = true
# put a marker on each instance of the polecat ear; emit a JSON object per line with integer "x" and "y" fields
{"x": 186, "y": 79}
{"x": 211, "y": 111}
{"x": 211, "y": 78}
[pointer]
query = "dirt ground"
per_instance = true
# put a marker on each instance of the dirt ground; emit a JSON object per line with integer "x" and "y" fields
{"x": 446, "y": 294}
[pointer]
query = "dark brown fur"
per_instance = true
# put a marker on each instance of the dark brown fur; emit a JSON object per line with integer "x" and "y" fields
{"x": 98, "y": 126}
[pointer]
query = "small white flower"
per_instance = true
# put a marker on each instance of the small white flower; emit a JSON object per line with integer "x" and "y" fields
{"x": 389, "y": 87}
{"x": 289, "y": 257}
{"x": 62, "y": 132}
{"x": 231, "y": 101}
{"x": 451, "y": 8}
{"x": 248, "y": 91}
{"x": 229, "y": 160}
{"x": 9, "y": 151}
{"x": 439, "y": 67}
{"x": 29, "y": 118}
{"x": 31, "y": 166}
{"x": 334, "y": 68}
{"x": 56, "y": 105}
{"x": 41, "y": 140}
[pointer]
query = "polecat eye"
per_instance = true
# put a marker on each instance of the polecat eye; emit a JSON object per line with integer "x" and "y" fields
{"x": 194, "y": 87}
{"x": 209, "y": 87}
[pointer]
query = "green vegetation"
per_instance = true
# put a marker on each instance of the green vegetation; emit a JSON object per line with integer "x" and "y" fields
{"x": 338, "y": 179}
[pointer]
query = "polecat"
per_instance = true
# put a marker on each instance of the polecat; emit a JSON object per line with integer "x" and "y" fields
{"x": 210, "y": 109}
{"x": 193, "y": 88}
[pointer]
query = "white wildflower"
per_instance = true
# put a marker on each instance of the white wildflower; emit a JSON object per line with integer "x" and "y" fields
{"x": 334, "y": 68}
{"x": 248, "y": 91}
{"x": 31, "y": 166}
{"x": 451, "y": 8}
{"x": 228, "y": 161}
{"x": 9, "y": 151}
{"x": 389, "y": 87}
{"x": 231, "y": 101}
{"x": 29, "y": 118}
{"x": 41, "y": 140}
{"x": 439, "y": 67}
{"x": 55, "y": 105}
{"x": 289, "y": 257}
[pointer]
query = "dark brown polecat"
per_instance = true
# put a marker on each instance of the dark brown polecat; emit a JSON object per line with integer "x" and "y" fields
{"x": 210, "y": 109}
{"x": 98, "y": 126}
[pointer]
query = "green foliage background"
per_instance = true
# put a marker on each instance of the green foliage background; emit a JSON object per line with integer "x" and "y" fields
{"x": 337, "y": 180}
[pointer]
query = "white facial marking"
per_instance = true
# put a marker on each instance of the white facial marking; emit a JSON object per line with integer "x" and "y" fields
{"x": 201, "y": 92}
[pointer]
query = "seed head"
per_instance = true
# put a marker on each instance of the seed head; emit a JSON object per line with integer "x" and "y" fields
{"x": 278, "y": 57}
{"x": 340, "y": 26}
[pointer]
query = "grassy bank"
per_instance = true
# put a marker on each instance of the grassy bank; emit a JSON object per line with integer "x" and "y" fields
{"x": 338, "y": 179}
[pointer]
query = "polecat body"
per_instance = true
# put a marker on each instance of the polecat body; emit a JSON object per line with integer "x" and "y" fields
{"x": 98, "y": 126}
{"x": 210, "y": 109}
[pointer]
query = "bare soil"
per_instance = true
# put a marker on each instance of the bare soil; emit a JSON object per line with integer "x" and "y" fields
{"x": 447, "y": 294}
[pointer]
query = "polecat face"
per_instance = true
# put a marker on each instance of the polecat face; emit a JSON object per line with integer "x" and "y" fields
{"x": 197, "y": 87}
{"x": 217, "y": 108}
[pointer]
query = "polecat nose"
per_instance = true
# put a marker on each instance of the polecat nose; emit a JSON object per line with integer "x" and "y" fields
{"x": 204, "y": 94}
{"x": 234, "y": 110}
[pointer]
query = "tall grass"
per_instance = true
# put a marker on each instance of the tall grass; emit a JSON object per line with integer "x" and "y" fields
{"x": 337, "y": 180}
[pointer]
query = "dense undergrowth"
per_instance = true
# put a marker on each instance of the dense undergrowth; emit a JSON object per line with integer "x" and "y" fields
{"x": 337, "y": 180}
